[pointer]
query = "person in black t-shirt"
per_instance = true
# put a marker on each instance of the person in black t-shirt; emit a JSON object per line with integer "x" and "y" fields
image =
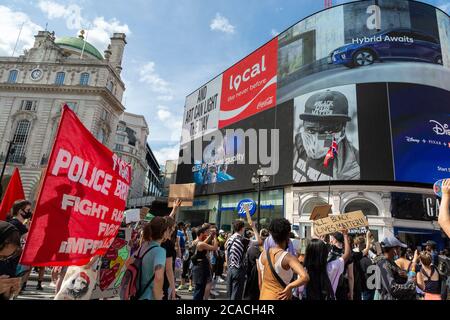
{"x": 169, "y": 290}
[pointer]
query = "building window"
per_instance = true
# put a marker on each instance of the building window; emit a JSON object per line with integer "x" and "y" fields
{"x": 12, "y": 78}
{"x": 118, "y": 147}
{"x": 110, "y": 86}
{"x": 28, "y": 105}
{"x": 84, "y": 79}
{"x": 60, "y": 76}
{"x": 120, "y": 138}
{"x": 367, "y": 207}
{"x": 104, "y": 115}
{"x": 20, "y": 140}
{"x": 101, "y": 136}
{"x": 310, "y": 204}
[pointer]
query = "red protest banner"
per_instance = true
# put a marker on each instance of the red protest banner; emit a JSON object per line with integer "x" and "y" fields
{"x": 14, "y": 192}
{"x": 81, "y": 203}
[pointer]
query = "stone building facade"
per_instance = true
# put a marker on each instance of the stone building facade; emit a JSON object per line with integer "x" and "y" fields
{"x": 35, "y": 86}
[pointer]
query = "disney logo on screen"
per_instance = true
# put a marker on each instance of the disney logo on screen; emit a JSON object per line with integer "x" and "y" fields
{"x": 440, "y": 129}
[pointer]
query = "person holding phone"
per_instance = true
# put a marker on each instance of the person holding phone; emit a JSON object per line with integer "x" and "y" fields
{"x": 201, "y": 270}
{"x": 444, "y": 214}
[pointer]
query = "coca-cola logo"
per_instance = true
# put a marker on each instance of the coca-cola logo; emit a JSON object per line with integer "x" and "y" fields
{"x": 440, "y": 129}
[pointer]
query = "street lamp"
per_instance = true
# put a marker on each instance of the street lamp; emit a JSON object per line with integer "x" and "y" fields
{"x": 258, "y": 179}
{"x": 11, "y": 150}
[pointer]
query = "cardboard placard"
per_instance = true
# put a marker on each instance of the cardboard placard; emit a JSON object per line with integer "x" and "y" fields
{"x": 144, "y": 212}
{"x": 132, "y": 215}
{"x": 339, "y": 222}
{"x": 320, "y": 212}
{"x": 247, "y": 213}
{"x": 184, "y": 192}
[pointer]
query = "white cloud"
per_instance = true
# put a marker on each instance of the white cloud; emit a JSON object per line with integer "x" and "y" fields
{"x": 149, "y": 76}
{"x": 10, "y": 25}
{"x": 165, "y": 98}
{"x": 274, "y": 33}
{"x": 445, "y": 7}
{"x": 167, "y": 153}
{"x": 220, "y": 23}
{"x": 101, "y": 30}
{"x": 163, "y": 113}
{"x": 98, "y": 31}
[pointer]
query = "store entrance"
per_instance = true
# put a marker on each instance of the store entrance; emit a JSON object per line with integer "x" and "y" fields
{"x": 417, "y": 237}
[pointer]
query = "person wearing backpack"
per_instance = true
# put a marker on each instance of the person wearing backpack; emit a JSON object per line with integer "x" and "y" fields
{"x": 276, "y": 266}
{"x": 144, "y": 278}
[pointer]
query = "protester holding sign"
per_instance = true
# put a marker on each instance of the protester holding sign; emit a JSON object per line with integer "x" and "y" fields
{"x": 444, "y": 213}
{"x": 277, "y": 267}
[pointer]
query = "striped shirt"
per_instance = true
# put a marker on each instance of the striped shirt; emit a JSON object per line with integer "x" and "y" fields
{"x": 236, "y": 247}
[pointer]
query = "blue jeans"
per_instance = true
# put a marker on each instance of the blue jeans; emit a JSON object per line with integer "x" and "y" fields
{"x": 235, "y": 283}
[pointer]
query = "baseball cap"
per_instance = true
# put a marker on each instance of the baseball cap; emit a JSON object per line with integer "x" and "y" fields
{"x": 5, "y": 230}
{"x": 326, "y": 105}
{"x": 430, "y": 243}
{"x": 221, "y": 231}
{"x": 391, "y": 242}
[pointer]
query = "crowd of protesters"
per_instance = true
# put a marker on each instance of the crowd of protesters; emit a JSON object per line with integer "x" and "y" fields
{"x": 269, "y": 264}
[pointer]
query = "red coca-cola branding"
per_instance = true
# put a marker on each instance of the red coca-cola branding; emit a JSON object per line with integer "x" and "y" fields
{"x": 250, "y": 86}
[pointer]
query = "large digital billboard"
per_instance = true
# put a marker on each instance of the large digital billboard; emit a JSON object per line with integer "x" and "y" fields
{"x": 420, "y": 117}
{"x": 367, "y": 74}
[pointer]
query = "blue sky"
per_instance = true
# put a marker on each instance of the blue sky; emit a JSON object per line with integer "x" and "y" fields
{"x": 174, "y": 46}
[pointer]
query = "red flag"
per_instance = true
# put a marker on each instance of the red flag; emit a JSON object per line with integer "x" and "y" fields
{"x": 81, "y": 202}
{"x": 14, "y": 192}
{"x": 331, "y": 154}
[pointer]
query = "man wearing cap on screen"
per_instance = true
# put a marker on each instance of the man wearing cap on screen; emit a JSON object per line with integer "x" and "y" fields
{"x": 325, "y": 118}
{"x": 394, "y": 281}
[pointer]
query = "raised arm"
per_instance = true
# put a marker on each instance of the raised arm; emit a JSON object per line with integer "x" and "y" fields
{"x": 176, "y": 206}
{"x": 368, "y": 243}
{"x": 444, "y": 214}
{"x": 347, "y": 248}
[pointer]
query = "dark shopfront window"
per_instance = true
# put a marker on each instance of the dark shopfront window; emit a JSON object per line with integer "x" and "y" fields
{"x": 417, "y": 237}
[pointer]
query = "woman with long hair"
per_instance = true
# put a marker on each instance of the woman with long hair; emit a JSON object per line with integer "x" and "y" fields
{"x": 324, "y": 276}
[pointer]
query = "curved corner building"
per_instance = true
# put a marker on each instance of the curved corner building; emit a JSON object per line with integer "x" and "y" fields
{"x": 373, "y": 76}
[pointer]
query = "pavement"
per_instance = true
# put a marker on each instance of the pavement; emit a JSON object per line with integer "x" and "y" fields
{"x": 49, "y": 290}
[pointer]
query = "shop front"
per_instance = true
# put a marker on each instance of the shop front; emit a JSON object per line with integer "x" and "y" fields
{"x": 272, "y": 206}
{"x": 415, "y": 219}
{"x": 204, "y": 209}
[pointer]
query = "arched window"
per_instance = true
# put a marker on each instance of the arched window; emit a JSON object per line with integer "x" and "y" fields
{"x": 101, "y": 136}
{"x": 311, "y": 203}
{"x": 20, "y": 140}
{"x": 366, "y": 206}
{"x": 84, "y": 79}
{"x": 60, "y": 76}
{"x": 12, "y": 78}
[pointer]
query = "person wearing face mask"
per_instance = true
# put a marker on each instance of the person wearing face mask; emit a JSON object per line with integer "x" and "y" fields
{"x": 325, "y": 118}
{"x": 394, "y": 283}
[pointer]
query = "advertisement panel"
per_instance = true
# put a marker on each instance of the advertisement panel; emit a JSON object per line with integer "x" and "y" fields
{"x": 250, "y": 86}
{"x": 321, "y": 117}
{"x": 348, "y": 43}
{"x": 201, "y": 111}
{"x": 420, "y": 121}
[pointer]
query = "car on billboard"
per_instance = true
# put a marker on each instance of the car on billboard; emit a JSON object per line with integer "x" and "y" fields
{"x": 394, "y": 44}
